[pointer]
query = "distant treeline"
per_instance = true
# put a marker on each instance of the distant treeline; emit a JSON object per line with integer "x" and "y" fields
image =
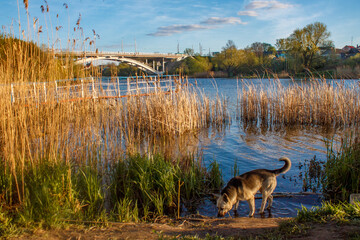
{"x": 307, "y": 52}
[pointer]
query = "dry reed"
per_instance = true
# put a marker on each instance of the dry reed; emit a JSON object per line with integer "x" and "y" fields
{"x": 90, "y": 130}
{"x": 314, "y": 102}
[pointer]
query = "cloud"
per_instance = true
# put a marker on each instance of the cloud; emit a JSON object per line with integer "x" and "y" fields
{"x": 267, "y": 5}
{"x": 257, "y": 5}
{"x": 173, "y": 29}
{"x": 217, "y": 21}
{"x": 248, "y": 13}
{"x": 209, "y": 23}
{"x": 279, "y": 5}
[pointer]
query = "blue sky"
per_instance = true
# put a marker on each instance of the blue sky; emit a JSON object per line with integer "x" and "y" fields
{"x": 163, "y": 25}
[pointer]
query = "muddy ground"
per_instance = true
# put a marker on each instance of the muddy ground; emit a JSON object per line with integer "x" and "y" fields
{"x": 169, "y": 229}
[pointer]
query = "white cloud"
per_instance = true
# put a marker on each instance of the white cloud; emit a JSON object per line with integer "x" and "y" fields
{"x": 248, "y": 13}
{"x": 257, "y": 5}
{"x": 218, "y": 20}
{"x": 209, "y": 23}
{"x": 267, "y": 5}
{"x": 279, "y": 5}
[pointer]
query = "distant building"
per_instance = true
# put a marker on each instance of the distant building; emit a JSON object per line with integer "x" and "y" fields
{"x": 349, "y": 51}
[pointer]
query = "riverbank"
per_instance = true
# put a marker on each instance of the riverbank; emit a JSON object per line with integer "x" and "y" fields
{"x": 205, "y": 228}
{"x": 339, "y": 73}
{"x": 330, "y": 221}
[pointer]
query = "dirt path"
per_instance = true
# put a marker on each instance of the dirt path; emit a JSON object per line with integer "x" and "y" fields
{"x": 230, "y": 227}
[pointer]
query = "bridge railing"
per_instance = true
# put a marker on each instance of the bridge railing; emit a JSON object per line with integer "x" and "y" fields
{"x": 91, "y": 88}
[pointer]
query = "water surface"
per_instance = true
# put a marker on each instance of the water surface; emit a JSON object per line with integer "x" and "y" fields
{"x": 251, "y": 147}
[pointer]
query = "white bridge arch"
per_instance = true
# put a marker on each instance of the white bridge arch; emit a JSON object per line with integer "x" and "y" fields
{"x": 129, "y": 61}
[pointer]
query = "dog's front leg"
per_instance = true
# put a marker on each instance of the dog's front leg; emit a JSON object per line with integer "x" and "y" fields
{"x": 235, "y": 208}
{"x": 251, "y": 202}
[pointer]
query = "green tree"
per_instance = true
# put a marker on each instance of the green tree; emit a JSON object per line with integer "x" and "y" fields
{"x": 229, "y": 58}
{"x": 306, "y": 42}
{"x": 229, "y": 45}
{"x": 189, "y": 51}
{"x": 198, "y": 64}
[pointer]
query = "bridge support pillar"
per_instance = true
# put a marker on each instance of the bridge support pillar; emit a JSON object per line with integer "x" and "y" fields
{"x": 163, "y": 65}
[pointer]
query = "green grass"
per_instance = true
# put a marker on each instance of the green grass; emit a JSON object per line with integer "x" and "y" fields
{"x": 341, "y": 212}
{"x": 133, "y": 189}
{"x": 338, "y": 176}
{"x": 150, "y": 185}
{"x": 342, "y": 170}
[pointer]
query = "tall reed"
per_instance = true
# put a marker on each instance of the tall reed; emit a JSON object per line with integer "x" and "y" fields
{"x": 317, "y": 103}
{"x": 55, "y": 155}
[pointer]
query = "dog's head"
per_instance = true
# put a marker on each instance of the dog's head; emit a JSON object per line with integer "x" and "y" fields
{"x": 223, "y": 204}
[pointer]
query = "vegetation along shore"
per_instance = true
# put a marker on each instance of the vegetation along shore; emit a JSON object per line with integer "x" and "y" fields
{"x": 103, "y": 168}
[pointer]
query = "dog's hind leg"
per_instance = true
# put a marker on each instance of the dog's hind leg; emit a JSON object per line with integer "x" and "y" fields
{"x": 265, "y": 196}
{"x": 251, "y": 202}
{"x": 270, "y": 201}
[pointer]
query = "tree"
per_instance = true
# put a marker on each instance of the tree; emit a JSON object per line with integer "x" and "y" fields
{"x": 229, "y": 58}
{"x": 197, "y": 64}
{"x": 229, "y": 45}
{"x": 189, "y": 51}
{"x": 306, "y": 42}
{"x": 258, "y": 48}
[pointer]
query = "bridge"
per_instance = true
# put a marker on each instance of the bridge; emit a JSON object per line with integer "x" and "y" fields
{"x": 148, "y": 62}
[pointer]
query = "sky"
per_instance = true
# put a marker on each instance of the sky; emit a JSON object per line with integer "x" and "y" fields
{"x": 166, "y": 26}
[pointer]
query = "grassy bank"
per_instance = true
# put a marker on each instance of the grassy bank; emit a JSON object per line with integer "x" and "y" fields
{"x": 133, "y": 189}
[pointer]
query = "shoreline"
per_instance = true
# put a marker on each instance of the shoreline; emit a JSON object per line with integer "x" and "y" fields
{"x": 202, "y": 228}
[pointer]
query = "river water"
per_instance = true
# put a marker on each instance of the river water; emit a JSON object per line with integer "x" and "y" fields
{"x": 253, "y": 148}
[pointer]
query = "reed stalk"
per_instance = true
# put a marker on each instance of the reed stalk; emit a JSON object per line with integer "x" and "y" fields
{"x": 315, "y": 103}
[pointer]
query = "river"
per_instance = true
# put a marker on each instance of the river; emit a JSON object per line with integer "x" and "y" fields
{"x": 253, "y": 148}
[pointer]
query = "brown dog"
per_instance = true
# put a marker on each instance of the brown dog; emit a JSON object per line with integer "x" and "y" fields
{"x": 245, "y": 186}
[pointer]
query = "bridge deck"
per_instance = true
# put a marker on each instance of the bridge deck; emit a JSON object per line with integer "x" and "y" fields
{"x": 123, "y": 54}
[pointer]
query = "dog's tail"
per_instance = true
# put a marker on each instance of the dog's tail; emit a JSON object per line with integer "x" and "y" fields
{"x": 285, "y": 168}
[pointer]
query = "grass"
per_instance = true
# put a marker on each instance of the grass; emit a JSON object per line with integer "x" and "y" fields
{"x": 338, "y": 176}
{"x": 137, "y": 189}
{"x": 341, "y": 212}
{"x": 342, "y": 170}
